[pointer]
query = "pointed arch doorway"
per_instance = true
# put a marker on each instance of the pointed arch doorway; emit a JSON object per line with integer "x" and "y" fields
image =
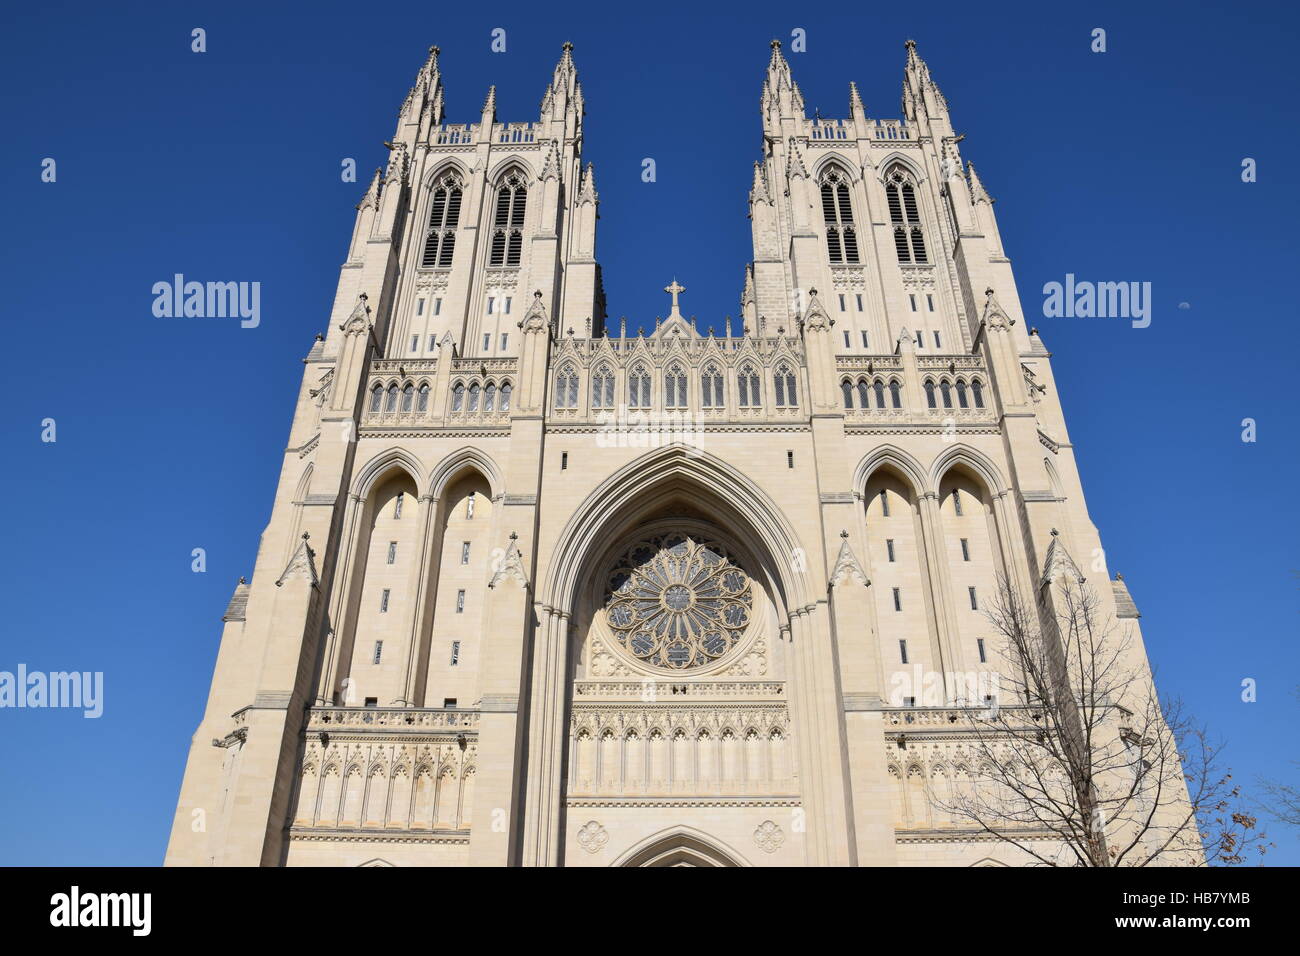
{"x": 680, "y": 847}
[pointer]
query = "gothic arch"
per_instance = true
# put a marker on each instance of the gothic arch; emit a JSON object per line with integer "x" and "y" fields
{"x": 976, "y": 461}
{"x": 453, "y": 467}
{"x": 447, "y": 164}
{"x": 504, "y": 166}
{"x": 379, "y": 467}
{"x": 680, "y": 846}
{"x": 905, "y": 463}
{"x": 895, "y": 158}
{"x": 841, "y": 163}
{"x": 652, "y": 481}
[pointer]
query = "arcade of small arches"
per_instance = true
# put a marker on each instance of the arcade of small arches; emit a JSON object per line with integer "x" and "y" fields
{"x": 675, "y": 383}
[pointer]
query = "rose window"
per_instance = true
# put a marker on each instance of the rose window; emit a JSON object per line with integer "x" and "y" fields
{"x": 677, "y": 602}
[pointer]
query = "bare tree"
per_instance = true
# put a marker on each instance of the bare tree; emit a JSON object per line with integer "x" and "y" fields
{"x": 1076, "y": 761}
{"x": 1281, "y": 801}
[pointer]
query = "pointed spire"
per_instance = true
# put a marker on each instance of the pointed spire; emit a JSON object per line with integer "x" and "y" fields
{"x": 371, "y": 198}
{"x": 588, "y": 194}
{"x": 856, "y": 109}
{"x": 758, "y": 191}
{"x": 1058, "y": 566}
{"x": 795, "y": 165}
{"x": 551, "y": 165}
{"x": 490, "y": 106}
{"x": 427, "y": 86}
{"x": 977, "y": 191}
{"x": 921, "y": 95}
{"x": 847, "y": 565}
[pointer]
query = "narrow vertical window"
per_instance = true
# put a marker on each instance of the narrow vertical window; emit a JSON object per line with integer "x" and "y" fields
{"x": 487, "y": 341}
{"x": 392, "y": 552}
{"x": 491, "y": 303}
{"x": 889, "y": 548}
{"x": 956, "y": 501}
{"x": 433, "y": 343}
{"x": 508, "y": 298}
{"x": 929, "y": 395}
{"x": 980, "y": 644}
{"x": 842, "y": 309}
{"x": 469, "y": 505}
{"x": 865, "y": 343}
{"x": 965, "y": 549}
{"x": 936, "y": 340}
{"x": 564, "y": 461}
{"x": 419, "y": 306}
{"x": 912, "y": 298}
{"x": 929, "y": 301}
{"x": 898, "y": 606}
{"x": 837, "y": 211}
{"x": 858, "y": 298}
{"x": 884, "y": 502}
{"x": 464, "y": 552}
{"x": 974, "y": 605}
{"x": 415, "y": 343}
{"x": 437, "y": 306}
{"x": 444, "y": 214}
{"x": 789, "y": 459}
{"x": 505, "y": 338}
{"x": 379, "y": 652}
{"x": 397, "y": 504}
{"x": 847, "y": 340}
{"x": 383, "y": 602}
{"x": 902, "y": 651}
{"x": 455, "y": 653}
{"x": 508, "y": 222}
{"x": 460, "y": 602}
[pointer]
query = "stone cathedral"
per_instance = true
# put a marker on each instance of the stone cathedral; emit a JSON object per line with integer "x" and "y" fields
{"x": 539, "y": 591}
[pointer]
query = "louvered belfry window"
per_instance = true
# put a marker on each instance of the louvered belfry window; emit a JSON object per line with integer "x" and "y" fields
{"x": 905, "y": 217}
{"x": 508, "y": 222}
{"x": 444, "y": 215}
{"x": 837, "y": 210}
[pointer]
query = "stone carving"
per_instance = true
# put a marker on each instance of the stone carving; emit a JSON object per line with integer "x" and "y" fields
{"x": 593, "y": 837}
{"x": 769, "y": 836}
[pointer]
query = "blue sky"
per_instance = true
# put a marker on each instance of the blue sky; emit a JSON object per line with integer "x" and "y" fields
{"x": 225, "y": 165}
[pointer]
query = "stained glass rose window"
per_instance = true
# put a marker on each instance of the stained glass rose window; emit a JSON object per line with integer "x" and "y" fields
{"x": 677, "y": 602}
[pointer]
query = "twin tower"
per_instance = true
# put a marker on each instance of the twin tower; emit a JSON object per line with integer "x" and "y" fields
{"x": 535, "y": 591}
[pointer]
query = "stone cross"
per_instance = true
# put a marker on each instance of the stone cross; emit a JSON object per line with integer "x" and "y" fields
{"x": 675, "y": 290}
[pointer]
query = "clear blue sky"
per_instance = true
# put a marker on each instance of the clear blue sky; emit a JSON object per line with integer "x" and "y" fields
{"x": 225, "y": 165}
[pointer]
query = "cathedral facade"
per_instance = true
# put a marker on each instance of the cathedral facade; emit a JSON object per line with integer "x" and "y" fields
{"x": 537, "y": 591}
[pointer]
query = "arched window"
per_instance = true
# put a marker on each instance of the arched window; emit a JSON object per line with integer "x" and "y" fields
{"x": 408, "y": 397}
{"x": 506, "y": 389}
{"x": 422, "y": 398}
{"x": 961, "y": 394}
{"x": 508, "y": 221}
{"x": 864, "y": 394}
{"x": 783, "y": 380}
{"x": 977, "y": 393}
{"x": 674, "y": 387}
{"x": 444, "y": 214}
{"x": 490, "y": 397}
{"x": 474, "y": 392}
{"x": 711, "y": 390}
{"x": 376, "y": 397}
{"x": 638, "y": 388}
{"x": 457, "y": 397}
{"x": 946, "y": 391}
{"x": 904, "y": 216}
{"x": 837, "y": 210}
{"x": 391, "y": 404}
{"x": 751, "y": 394}
{"x": 929, "y": 394}
{"x": 602, "y": 388}
{"x": 879, "y": 388}
{"x": 566, "y": 387}
{"x": 847, "y": 388}
{"x": 896, "y": 394}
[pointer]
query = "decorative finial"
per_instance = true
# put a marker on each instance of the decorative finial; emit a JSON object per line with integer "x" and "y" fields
{"x": 243, "y": 580}
{"x": 674, "y": 290}
{"x": 1055, "y": 532}
{"x": 775, "y": 44}
{"x": 567, "y": 47}
{"x": 514, "y": 536}
{"x": 844, "y": 533}
{"x": 1118, "y": 576}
